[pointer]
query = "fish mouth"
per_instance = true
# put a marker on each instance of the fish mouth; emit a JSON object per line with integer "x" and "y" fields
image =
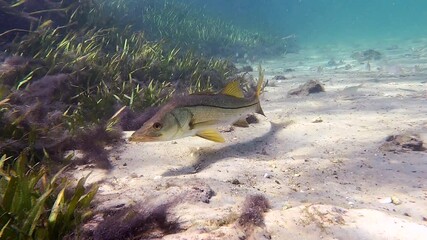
{"x": 136, "y": 137}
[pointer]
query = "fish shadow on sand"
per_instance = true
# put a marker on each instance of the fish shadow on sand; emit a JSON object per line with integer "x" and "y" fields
{"x": 207, "y": 157}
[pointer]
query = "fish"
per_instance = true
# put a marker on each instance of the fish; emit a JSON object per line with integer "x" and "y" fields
{"x": 200, "y": 114}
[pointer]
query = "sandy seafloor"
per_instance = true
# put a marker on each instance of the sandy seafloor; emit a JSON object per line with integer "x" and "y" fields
{"x": 324, "y": 179}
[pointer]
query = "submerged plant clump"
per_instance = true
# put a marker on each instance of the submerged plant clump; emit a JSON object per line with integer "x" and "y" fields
{"x": 137, "y": 222}
{"x": 64, "y": 82}
{"x": 75, "y": 85}
{"x": 57, "y": 81}
{"x": 34, "y": 207}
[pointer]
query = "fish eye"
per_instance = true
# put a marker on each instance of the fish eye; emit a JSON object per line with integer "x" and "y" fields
{"x": 157, "y": 125}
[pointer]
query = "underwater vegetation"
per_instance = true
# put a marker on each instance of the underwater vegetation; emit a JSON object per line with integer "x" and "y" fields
{"x": 252, "y": 214}
{"x": 171, "y": 21}
{"x": 66, "y": 67}
{"x": 178, "y": 25}
{"x": 32, "y": 206}
{"x": 57, "y": 82}
{"x": 137, "y": 222}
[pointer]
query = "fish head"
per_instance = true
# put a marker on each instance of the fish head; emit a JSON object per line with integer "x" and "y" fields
{"x": 161, "y": 127}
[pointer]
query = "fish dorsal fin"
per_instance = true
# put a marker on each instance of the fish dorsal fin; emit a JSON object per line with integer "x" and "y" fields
{"x": 233, "y": 89}
{"x": 211, "y": 134}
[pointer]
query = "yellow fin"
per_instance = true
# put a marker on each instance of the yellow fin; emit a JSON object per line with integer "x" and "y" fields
{"x": 211, "y": 134}
{"x": 233, "y": 89}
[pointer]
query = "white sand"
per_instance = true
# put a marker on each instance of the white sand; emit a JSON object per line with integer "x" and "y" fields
{"x": 325, "y": 180}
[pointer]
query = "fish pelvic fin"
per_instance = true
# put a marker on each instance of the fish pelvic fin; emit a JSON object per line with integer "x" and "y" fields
{"x": 212, "y": 135}
{"x": 233, "y": 89}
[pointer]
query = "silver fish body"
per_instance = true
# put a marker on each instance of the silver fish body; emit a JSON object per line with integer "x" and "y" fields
{"x": 199, "y": 115}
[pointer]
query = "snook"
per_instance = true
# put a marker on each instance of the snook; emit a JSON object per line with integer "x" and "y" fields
{"x": 200, "y": 114}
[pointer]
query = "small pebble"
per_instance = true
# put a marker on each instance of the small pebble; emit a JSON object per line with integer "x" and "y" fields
{"x": 385, "y": 200}
{"x": 395, "y": 200}
{"x": 318, "y": 120}
{"x": 264, "y": 152}
{"x": 267, "y": 175}
{"x": 235, "y": 182}
{"x": 286, "y": 206}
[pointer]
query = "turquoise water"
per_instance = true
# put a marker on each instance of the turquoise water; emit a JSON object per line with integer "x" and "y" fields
{"x": 327, "y": 21}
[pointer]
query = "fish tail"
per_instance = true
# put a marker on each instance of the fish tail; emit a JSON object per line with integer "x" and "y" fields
{"x": 259, "y": 89}
{"x": 260, "y": 84}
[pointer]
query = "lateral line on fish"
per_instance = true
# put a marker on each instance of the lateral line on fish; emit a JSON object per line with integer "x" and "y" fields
{"x": 203, "y": 105}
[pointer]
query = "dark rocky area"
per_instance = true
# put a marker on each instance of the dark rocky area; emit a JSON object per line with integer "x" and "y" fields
{"x": 366, "y": 55}
{"x": 403, "y": 143}
{"x": 312, "y": 86}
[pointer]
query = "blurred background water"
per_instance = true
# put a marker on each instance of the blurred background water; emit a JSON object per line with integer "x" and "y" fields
{"x": 327, "y": 21}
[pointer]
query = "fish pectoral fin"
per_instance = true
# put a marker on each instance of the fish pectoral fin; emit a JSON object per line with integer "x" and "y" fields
{"x": 211, "y": 134}
{"x": 241, "y": 123}
{"x": 204, "y": 124}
